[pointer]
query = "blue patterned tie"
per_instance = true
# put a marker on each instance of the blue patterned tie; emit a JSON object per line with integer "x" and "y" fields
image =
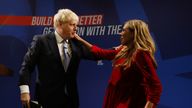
{"x": 66, "y": 55}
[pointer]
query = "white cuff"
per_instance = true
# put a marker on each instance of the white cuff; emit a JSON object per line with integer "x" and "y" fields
{"x": 24, "y": 89}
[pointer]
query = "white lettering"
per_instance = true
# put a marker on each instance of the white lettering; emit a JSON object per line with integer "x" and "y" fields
{"x": 47, "y": 30}
{"x": 95, "y": 30}
{"x": 113, "y": 29}
{"x": 81, "y": 31}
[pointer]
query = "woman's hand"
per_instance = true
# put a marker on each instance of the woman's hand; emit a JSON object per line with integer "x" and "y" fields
{"x": 149, "y": 104}
{"x": 86, "y": 43}
{"x": 77, "y": 37}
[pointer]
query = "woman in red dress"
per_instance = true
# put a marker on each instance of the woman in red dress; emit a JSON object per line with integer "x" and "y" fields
{"x": 134, "y": 82}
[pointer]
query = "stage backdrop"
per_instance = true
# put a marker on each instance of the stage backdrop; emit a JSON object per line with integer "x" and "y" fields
{"x": 100, "y": 22}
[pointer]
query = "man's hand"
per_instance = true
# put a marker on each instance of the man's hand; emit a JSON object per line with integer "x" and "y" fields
{"x": 25, "y": 99}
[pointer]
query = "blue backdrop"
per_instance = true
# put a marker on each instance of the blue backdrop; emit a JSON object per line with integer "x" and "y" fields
{"x": 170, "y": 23}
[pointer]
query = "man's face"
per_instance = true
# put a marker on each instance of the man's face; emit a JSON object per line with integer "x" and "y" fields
{"x": 69, "y": 29}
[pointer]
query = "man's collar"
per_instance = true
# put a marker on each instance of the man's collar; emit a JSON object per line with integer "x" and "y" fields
{"x": 59, "y": 39}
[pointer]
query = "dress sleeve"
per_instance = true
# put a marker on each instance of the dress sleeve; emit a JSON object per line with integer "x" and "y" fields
{"x": 151, "y": 82}
{"x": 100, "y": 53}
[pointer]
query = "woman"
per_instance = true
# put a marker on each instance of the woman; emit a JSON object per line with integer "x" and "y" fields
{"x": 134, "y": 82}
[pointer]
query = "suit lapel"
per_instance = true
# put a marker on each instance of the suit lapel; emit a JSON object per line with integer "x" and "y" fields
{"x": 73, "y": 51}
{"x": 73, "y": 48}
{"x": 54, "y": 48}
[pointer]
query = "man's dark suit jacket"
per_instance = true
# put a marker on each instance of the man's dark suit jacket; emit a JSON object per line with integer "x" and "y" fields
{"x": 44, "y": 54}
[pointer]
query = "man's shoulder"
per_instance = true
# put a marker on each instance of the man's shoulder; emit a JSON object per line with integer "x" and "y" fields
{"x": 44, "y": 36}
{"x": 76, "y": 42}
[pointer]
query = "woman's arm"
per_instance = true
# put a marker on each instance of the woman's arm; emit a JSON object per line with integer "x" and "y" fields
{"x": 87, "y": 44}
{"x": 150, "y": 78}
{"x": 99, "y": 53}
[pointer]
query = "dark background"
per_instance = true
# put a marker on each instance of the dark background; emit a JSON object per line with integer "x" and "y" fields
{"x": 170, "y": 24}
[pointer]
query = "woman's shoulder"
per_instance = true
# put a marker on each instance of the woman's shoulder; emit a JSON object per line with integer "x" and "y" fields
{"x": 141, "y": 53}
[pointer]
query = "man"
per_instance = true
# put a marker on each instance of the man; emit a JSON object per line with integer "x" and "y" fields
{"x": 57, "y": 85}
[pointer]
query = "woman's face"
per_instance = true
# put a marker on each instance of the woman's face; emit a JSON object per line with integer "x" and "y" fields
{"x": 126, "y": 36}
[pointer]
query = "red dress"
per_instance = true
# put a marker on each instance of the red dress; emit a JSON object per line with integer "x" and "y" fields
{"x": 133, "y": 87}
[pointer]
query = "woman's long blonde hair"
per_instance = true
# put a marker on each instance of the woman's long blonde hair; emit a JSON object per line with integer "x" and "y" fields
{"x": 142, "y": 39}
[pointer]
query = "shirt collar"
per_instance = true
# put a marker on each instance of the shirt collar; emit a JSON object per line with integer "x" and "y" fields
{"x": 59, "y": 39}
